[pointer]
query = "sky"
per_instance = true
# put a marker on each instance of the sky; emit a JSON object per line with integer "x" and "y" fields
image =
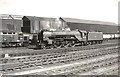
{"x": 100, "y": 10}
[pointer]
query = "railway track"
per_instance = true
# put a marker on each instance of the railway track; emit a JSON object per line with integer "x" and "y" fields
{"x": 66, "y": 69}
{"x": 27, "y": 52}
{"x": 55, "y": 54}
{"x": 50, "y": 58}
{"x": 30, "y": 62}
{"x": 82, "y": 69}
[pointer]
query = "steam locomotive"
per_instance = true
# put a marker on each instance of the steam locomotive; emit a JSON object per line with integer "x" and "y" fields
{"x": 58, "y": 39}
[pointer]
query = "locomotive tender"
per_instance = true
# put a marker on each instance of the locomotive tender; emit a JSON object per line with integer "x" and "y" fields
{"x": 55, "y": 39}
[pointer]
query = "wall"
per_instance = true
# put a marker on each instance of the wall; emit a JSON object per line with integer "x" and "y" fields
{"x": 11, "y": 25}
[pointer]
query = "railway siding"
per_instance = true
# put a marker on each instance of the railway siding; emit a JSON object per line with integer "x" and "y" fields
{"x": 66, "y": 66}
{"x": 27, "y": 52}
{"x": 58, "y": 62}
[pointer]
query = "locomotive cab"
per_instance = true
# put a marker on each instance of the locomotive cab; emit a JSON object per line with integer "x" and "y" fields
{"x": 40, "y": 42}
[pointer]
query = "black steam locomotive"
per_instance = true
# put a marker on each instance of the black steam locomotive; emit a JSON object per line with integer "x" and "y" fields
{"x": 57, "y": 39}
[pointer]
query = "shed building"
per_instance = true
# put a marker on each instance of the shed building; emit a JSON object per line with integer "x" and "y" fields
{"x": 32, "y": 24}
{"x": 88, "y": 25}
{"x": 10, "y": 23}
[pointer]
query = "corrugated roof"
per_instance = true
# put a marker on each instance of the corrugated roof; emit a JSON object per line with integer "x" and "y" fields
{"x": 40, "y": 18}
{"x": 94, "y": 27}
{"x": 74, "y": 20}
{"x": 7, "y": 16}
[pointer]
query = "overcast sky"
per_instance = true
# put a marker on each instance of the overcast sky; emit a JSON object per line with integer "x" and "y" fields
{"x": 102, "y": 10}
